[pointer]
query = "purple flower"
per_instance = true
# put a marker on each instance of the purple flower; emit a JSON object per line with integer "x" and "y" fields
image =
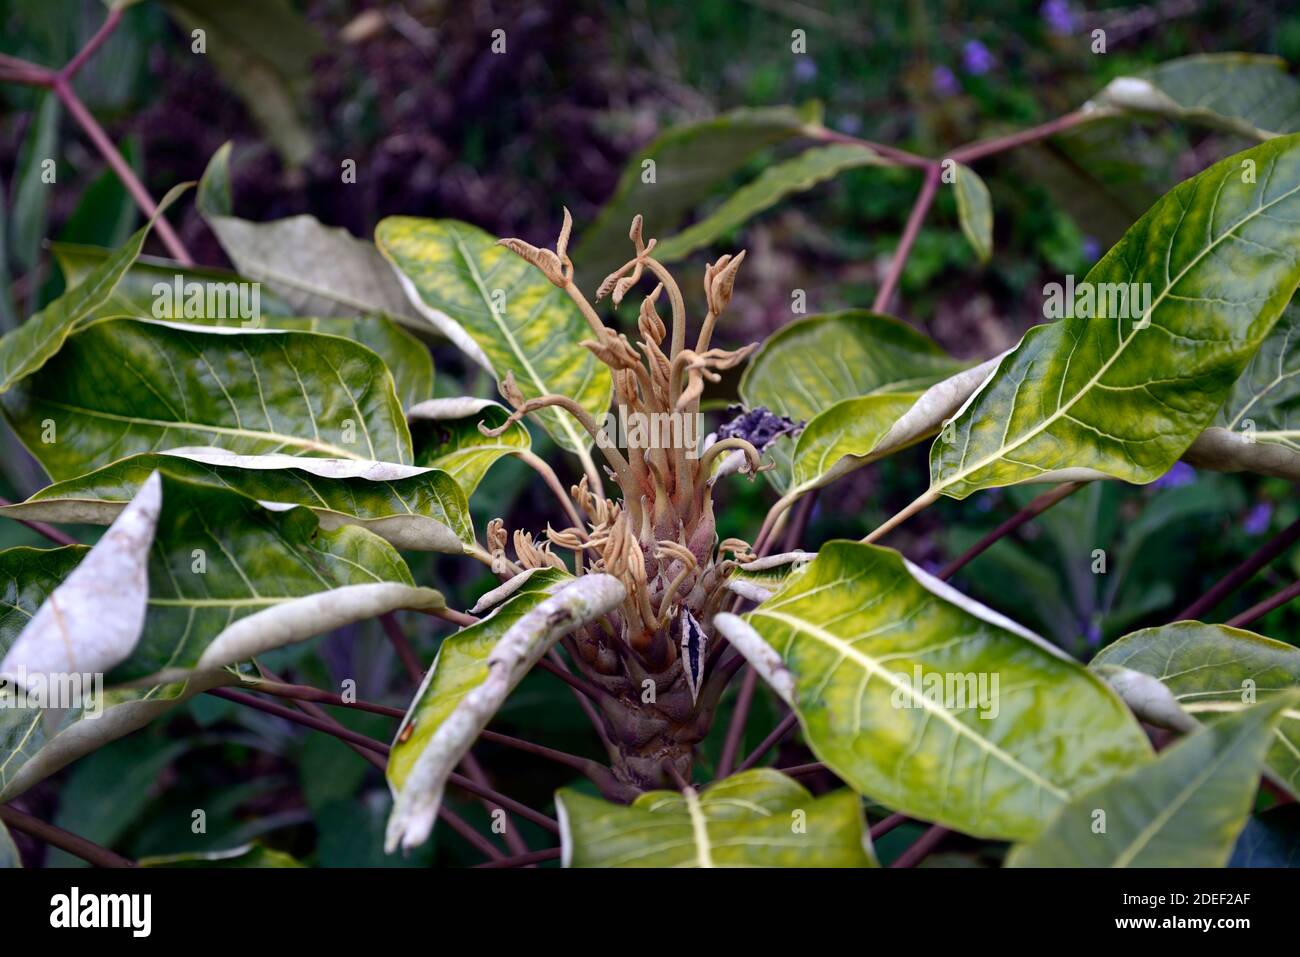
{"x": 1091, "y": 249}
{"x": 848, "y": 123}
{"x": 1058, "y": 16}
{"x": 1258, "y": 518}
{"x": 1181, "y": 474}
{"x": 1092, "y": 631}
{"x": 943, "y": 81}
{"x": 976, "y": 58}
{"x": 805, "y": 69}
{"x": 759, "y": 427}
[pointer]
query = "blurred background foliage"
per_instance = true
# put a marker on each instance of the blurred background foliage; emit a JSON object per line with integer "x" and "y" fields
{"x": 440, "y": 126}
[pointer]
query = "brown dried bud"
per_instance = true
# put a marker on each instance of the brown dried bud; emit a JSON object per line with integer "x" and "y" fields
{"x": 719, "y": 279}
{"x": 652, "y": 328}
{"x": 545, "y": 260}
{"x": 511, "y": 391}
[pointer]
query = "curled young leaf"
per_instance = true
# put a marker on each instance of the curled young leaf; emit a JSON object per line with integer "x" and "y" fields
{"x": 92, "y": 621}
{"x": 476, "y": 669}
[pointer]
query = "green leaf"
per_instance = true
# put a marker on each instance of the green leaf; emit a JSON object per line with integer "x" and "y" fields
{"x": 1124, "y": 397}
{"x": 1214, "y": 668}
{"x": 139, "y": 294}
{"x": 503, "y": 312}
{"x": 263, "y": 50}
{"x": 929, "y": 703}
{"x": 249, "y": 855}
{"x": 319, "y": 270}
{"x": 803, "y": 172}
{"x": 974, "y": 211}
{"x": 690, "y": 161}
{"x": 195, "y": 578}
{"x": 31, "y": 194}
{"x": 844, "y": 437}
{"x": 27, "y": 348}
{"x": 415, "y": 508}
{"x": 476, "y": 669}
{"x": 1184, "y": 809}
{"x": 121, "y": 387}
{"x": 446, "y": 436}
{"x": 758, "y": 818}
{"x": 1244, "y": 93}
{"x": 1258, "y": 428}
{"x": 136, "y": 294}
{"x": 811, "y": 364}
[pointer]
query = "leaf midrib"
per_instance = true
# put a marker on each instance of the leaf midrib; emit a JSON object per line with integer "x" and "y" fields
{"x": 202, "y": 427}
{"x": 870, "y": 665}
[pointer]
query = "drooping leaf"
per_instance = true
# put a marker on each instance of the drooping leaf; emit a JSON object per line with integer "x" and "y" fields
{"x": 503, "y": 312}
{"x": 319, "y": 270}
{"x": 760, "y": 579}
{"x": 686, "y": 164}
{"x": 803, "y": 172}
{"x": 758, "y": 818}
{"x": 1124, "y": 396}
{"x": 1184, "y": 809}
{"x": 249, "y": 855}
{"x": 229, "y": 579}
{"x": 90, "y": 623}
{"x": 27, "y": 348}
{"x": 1244, "y": 93}
{"x": 476, "y": 669}
{"x": 35, "y": 741}
{"x": 445, "y": 435}
{"x": 138, "y": 293}
{"x": 1214, "y": 668}
{"x": 1258, "y": 428}
{"x": 1271, "y": 839}
{"x": 842, "y": 438}
{"x": 974, "y": 211}
{"x": 416, "y": 508}
{"x": 141, "y": 293}
{"x": 810, "y": 365}
{"x": 263, "y": 49}
{"x": 929, "y": 703}
{"x": 121, "y": 387}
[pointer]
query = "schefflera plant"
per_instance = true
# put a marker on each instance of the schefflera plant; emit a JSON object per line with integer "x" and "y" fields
{"x": 301, "y": 525}
{"x": 655, "y": 534}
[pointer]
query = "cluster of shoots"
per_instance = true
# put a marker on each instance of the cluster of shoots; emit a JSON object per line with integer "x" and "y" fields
{"x": 657, "y": 536}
